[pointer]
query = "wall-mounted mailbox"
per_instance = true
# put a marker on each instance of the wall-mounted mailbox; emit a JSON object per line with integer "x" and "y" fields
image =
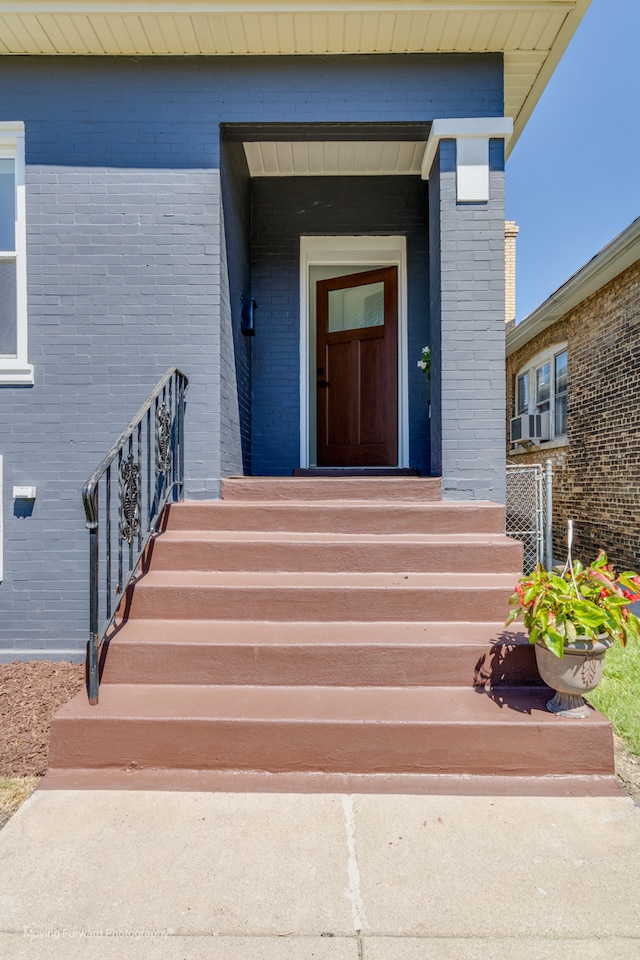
{"x": 24, "y": 493}
{"x": 248, "y": 314}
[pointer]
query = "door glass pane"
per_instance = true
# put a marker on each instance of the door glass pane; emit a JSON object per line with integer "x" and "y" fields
{"x": 7, "y": 205}
{"x": 356, "y": 307}
{"x": 8, "y": 346}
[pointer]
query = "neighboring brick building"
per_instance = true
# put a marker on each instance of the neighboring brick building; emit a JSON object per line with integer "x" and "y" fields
{"x": 579, "y": 350}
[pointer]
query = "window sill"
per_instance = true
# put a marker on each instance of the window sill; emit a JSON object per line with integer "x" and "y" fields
{"x": 542, "y": 447}
{"x": 13, "y": 373}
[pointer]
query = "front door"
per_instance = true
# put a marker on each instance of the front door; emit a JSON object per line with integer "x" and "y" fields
{"x": 357, "y": 381}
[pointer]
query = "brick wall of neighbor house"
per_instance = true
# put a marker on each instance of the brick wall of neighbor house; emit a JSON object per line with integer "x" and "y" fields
{"x": 124, "y": 261}
{"x": 284, "y": 209}
{"x": 597, "y": 477}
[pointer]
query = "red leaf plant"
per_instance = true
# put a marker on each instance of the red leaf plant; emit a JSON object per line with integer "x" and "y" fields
{"x": 577, "y": 604}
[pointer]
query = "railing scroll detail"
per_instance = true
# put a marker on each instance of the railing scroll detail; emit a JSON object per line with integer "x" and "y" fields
{"x": 142, "y": 472}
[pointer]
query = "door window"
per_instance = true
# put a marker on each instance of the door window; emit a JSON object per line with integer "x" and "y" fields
{"x": 356, "y": 307}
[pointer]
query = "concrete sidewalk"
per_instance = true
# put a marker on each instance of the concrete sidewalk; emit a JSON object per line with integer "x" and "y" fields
{"x": 128, "y": 874}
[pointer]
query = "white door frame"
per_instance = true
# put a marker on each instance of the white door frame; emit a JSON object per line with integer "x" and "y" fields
{"x": 367, "y": 252}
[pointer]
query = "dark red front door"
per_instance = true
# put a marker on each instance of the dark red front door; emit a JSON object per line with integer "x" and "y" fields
{"x": 357, "y": 382}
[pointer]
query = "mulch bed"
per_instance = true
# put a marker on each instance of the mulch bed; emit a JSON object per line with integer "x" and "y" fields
{"x": 30, "y": 693}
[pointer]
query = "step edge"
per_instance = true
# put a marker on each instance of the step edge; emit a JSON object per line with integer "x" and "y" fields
{"x": 260, "y": 781}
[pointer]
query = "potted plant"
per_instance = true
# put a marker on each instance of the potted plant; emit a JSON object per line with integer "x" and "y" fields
{"x": 574, "y": 614}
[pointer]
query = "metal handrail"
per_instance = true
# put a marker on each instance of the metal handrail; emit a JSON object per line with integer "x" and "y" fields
{"x": 161, "y": 416}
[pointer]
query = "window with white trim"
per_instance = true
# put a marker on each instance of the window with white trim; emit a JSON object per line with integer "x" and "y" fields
{"x": 522, "y": 393}
{"x": 14, "y": 365}
{"x": 541, "y": 387}
{"x": 560, "y": 382}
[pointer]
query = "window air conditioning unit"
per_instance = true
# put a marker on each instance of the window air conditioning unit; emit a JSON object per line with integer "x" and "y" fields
{"x": 530, "y": 428}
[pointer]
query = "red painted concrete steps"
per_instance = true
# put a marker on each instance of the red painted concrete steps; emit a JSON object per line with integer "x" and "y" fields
{"x": 337, "y": 653}
{"x": 336, "y": 729}
{"x": 326, "y": 552}
{"x": 390, "y": 489}
{"x": 315, "y": 631}
{"x": 339, "y": 516}
{"x": 186, "y": 594}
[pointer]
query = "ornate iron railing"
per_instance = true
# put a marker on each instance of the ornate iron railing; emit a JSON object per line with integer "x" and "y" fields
{"x": 143, "y": 470}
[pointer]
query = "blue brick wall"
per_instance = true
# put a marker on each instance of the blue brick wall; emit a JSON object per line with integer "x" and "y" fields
{"x": 235, "y": 357}
{"x": 435, "y": 314}
{"x": 283, "y": 210}
{"x": 128, "y": 274}
{"x": 113, "y": 289}
{"x": 468, "y": 316}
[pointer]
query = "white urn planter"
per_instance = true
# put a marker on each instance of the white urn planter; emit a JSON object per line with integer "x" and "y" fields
{"x": 577, "y": 673}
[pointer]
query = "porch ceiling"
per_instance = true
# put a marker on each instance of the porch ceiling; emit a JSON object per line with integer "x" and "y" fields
{"x": 532, "y": 34}
{"x": 334, "y": 158}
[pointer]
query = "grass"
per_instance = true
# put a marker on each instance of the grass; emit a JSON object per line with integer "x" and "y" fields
{"x": 13, "y": 792}
{"x": 617, "y": 695}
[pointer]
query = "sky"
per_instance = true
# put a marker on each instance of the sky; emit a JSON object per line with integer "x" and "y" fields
{"x": 573, "y": 179}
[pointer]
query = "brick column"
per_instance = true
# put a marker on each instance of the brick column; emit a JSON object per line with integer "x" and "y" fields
{"x": 467, "y": 270}
{"x": 511, "y": 230}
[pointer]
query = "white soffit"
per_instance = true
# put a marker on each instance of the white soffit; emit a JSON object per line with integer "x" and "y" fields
{"x": 532, "y": 34}
{"x": 309, "y": 158}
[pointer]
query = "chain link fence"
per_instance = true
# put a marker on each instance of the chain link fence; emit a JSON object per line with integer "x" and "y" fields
{"x": 529, "y": 511}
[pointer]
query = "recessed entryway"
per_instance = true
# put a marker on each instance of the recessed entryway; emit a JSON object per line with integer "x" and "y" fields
{"x": 354, "y": 330}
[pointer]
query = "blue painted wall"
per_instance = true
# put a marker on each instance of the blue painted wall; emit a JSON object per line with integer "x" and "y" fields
{"x": 235, "y": 354}
{"x": 129, "y": 271}
{"x": 164, "y": 112}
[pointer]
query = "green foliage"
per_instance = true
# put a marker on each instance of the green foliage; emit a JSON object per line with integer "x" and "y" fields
{"x": 425, "y": 363}
{"x": 616, "y": 696}
{"x": 574, "y": 603}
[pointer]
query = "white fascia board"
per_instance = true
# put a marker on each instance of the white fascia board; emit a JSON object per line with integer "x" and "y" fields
{"x": 608, "y": 263}
{"x": 273, "y": 6}
{"x": 483, "y": 128}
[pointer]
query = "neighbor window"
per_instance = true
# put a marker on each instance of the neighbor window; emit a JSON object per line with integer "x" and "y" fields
{"x": 14, "y": 366}
{"x": 542, "y": 388}
{"x": 560, "y": 393}
{"x": 522, "y": 394}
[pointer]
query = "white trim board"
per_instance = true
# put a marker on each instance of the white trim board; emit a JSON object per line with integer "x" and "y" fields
{"x": 472, "y": 135}
{"x": 16, "y": 369}
{"x": 366, "y": 252}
